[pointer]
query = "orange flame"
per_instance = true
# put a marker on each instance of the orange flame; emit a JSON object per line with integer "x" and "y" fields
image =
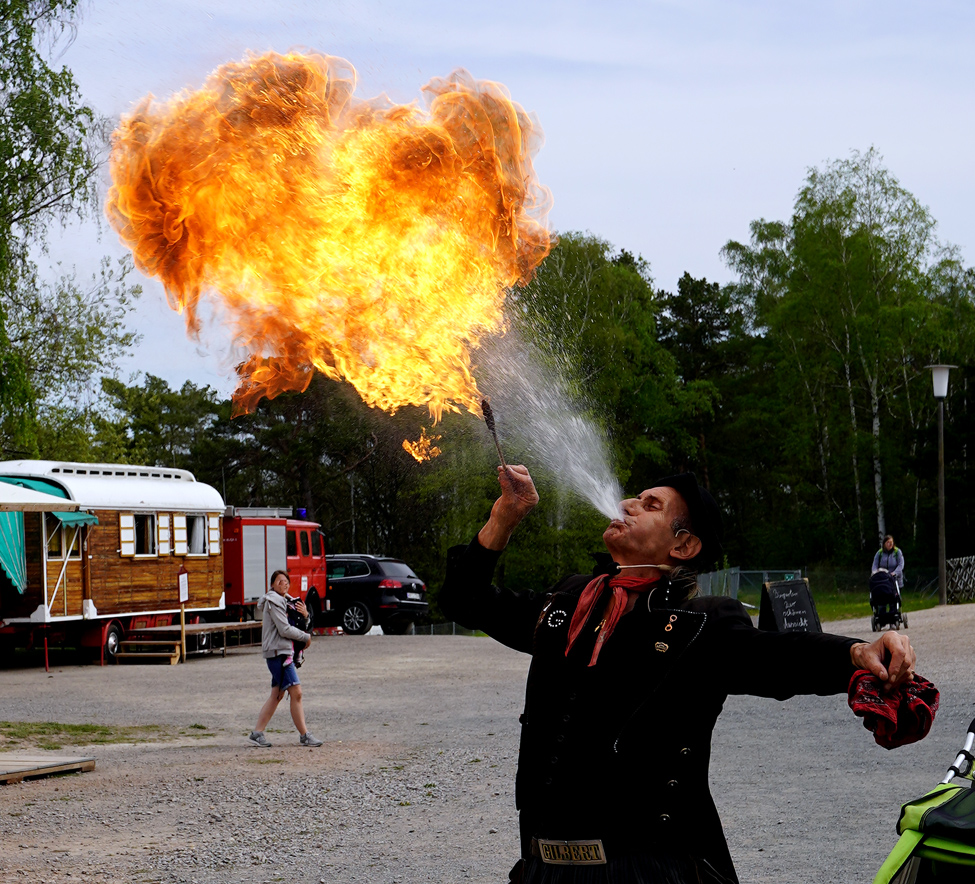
{"x": 370, "y": 241}
{"x": 423, "y": 449}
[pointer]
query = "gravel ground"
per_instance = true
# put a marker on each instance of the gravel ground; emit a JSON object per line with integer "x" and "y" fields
{"x": 415, "y": 780}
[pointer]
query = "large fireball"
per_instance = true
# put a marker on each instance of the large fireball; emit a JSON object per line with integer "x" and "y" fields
{"x": 373, "y": 242}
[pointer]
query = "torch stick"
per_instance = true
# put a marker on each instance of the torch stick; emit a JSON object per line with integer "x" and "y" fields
{"x": 489, "y": 420}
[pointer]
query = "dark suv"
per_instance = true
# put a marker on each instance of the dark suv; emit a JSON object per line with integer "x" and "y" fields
{"x": 363, "y": 590}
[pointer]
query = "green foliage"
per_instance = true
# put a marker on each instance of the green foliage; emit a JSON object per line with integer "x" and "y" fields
{"x": 703, "y": 328}
{"x": 153, "y": 424}
{"x": 47, "y": 155}
{"x": 847, "y": 303}
{"x": 66, "y": 334}
{"x": 593, "y": 314}
{"x": 53, "y": 337}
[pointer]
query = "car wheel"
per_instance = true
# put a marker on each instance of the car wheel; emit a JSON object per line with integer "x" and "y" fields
{"x": 113, "y": 638}
{"x": 356, "y": 619}
{"x": 399, "y": 627}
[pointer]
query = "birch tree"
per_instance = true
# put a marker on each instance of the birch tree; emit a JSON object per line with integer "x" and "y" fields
{"x": 845, "y": 294}
{"x": 54, "y": 329}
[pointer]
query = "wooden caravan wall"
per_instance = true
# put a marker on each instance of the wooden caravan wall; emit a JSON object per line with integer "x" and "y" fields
{"x": 130, "y": 584}
{"x": 12, "y": 603}
{"x": 66, "y": 600}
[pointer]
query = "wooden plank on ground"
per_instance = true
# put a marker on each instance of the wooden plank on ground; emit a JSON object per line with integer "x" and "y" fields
{"x": 15, "y": 767}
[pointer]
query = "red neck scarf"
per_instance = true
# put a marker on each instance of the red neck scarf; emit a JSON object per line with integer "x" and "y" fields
{"x": 592, "y": 595}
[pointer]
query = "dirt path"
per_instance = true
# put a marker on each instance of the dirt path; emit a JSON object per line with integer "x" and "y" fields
{"x": 415, "y": 780}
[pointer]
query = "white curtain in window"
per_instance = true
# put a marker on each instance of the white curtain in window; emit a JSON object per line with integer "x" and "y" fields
{"x": 197, "y": 530}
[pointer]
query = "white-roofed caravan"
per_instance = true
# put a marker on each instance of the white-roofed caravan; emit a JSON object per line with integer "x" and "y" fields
{"x": 95, "y": 575}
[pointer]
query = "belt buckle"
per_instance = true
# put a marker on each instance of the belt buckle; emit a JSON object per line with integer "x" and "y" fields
{"x": 571, "y": 853}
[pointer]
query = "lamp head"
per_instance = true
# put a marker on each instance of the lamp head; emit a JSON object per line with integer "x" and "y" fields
{"x": 939, "y": 376}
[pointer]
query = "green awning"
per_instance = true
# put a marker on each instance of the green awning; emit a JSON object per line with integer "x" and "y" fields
{"x": 13, "y": 557}
{"x": 36, "y": 485}
{"x": 72, "y": 520}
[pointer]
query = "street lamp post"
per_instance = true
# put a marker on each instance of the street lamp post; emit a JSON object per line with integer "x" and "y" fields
{"x": 939, "y": 376}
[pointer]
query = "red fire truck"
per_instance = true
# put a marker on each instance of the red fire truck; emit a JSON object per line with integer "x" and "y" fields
{"x": 257, "y": 541}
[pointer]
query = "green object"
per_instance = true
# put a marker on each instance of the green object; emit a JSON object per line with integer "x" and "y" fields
{"x": 13, "y": 558}
{"x": 937, "y": 831}
{"x": 71, "y": 520}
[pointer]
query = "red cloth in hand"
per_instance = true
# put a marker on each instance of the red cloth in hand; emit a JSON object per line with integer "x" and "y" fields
{"x": 898, "y": 717}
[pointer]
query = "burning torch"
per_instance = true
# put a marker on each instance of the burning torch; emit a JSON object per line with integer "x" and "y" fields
{"x": 489, "y": 420}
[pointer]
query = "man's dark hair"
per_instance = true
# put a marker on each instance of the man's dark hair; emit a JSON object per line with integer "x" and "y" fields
{"x": 682, "y": 523}
{"x": 703, "y": 518}
{"x": 684, "y": 579}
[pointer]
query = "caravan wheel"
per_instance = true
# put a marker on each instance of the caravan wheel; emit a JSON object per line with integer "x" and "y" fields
{"x": 113, "y": 638}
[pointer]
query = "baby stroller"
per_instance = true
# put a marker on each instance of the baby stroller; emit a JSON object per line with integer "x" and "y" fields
{"x": 885, "y": 600}
{"x": 937, "y": 843}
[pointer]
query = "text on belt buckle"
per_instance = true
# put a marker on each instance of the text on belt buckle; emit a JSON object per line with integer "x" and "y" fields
{"x": 572, "y": 853}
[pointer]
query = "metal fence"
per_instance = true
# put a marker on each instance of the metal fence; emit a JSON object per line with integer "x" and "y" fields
{"x": 442, "y": 629}
{"x": 923, "y": 581}
{"x": 724, "y": 582}
{"x": 961, "y": 579}
{"x": 730, "y": 581}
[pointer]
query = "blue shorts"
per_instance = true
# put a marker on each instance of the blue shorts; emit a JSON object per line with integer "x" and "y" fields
{"x": 283, "y": 672}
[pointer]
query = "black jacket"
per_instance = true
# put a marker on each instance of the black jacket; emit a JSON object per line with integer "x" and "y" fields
{"x": 620, "y": 751}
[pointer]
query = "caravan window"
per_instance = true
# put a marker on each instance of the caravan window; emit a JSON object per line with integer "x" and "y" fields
{"x": 72, "y": 541}
{"x": 196, "y": 529}
{"x": 145, "y": 534}
{"x": 60, "y": 539}
{"x": 55, "y": 537}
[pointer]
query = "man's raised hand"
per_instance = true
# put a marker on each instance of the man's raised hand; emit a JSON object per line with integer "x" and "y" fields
{"x": 518, "y": 498}
{"x": 891, "y": 658}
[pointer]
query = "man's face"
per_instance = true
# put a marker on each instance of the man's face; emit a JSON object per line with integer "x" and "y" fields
{"x": 644, "y": 535}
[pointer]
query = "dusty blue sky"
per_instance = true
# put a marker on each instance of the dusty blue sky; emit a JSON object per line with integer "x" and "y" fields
{"x": 669, "y": 126}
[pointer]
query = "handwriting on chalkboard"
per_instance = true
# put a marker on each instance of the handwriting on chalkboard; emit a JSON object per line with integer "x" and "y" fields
{"x": 788, "y": 606}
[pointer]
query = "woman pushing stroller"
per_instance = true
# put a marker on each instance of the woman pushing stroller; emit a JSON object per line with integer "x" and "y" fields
{"x": 890, "y": 559}
{"x": 886, "y": 583}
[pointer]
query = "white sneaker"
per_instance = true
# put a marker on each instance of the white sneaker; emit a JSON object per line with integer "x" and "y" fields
{"x": 308, "y": 740}
{"x": 258, "y": 739}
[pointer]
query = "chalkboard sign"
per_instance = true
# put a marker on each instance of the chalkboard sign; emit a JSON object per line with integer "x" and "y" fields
{"x": 788, "y": 606}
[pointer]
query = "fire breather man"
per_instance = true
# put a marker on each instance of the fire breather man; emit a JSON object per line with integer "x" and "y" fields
{"x": 629, "y": 672}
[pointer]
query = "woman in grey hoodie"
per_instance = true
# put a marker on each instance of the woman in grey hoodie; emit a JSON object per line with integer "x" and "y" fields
{"x": 277, "y": 641}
